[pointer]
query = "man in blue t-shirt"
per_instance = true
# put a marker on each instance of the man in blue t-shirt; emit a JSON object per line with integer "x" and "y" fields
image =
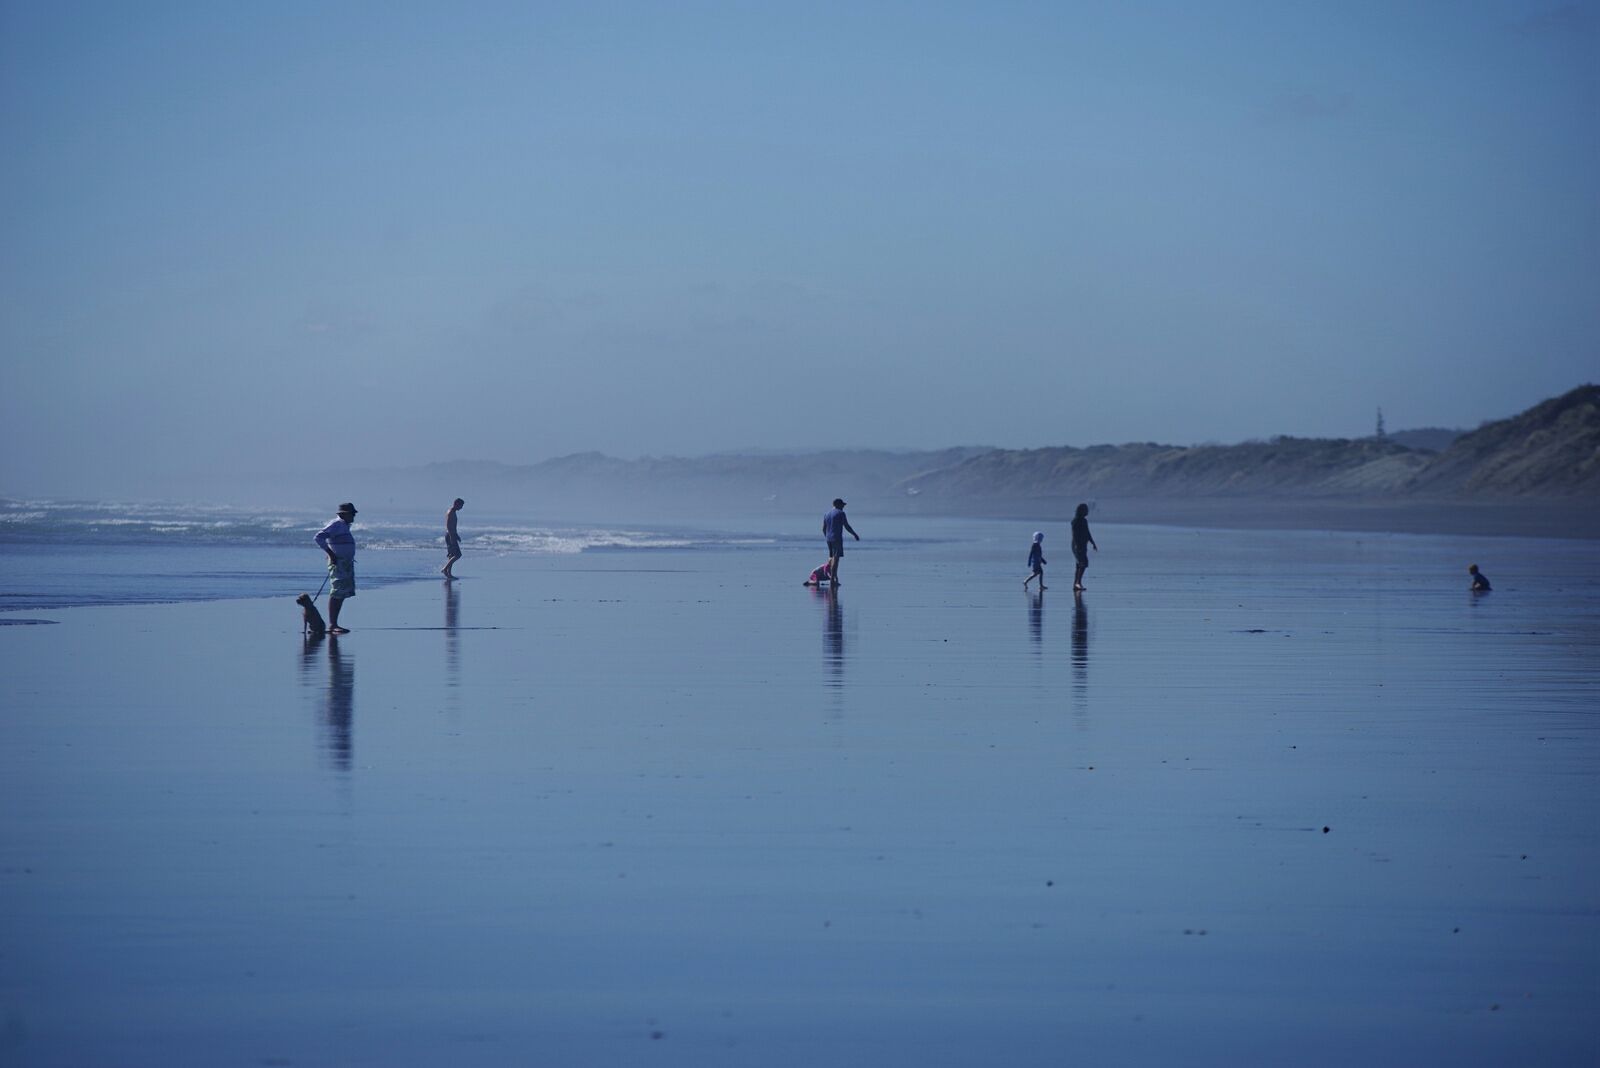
{"x": 834, "y": 524}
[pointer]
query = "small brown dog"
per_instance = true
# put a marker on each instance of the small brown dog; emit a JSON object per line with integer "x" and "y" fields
{"x": 310, "y": 618}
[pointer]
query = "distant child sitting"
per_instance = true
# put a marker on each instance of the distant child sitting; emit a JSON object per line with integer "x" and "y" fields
{"x": 1036, "y": 562}
{"x": 819, "y": 576}
{"x": 1480, "y": 581}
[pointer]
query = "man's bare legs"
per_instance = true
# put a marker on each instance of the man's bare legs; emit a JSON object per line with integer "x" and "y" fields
{"x": 334, "y": 604}
{"x": 833, "y": 569}
{"x": 452, "y": 540}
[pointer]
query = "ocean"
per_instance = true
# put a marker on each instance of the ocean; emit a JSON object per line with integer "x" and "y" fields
{"x": 62, "y": 554}
{"x": 631, "y": 794}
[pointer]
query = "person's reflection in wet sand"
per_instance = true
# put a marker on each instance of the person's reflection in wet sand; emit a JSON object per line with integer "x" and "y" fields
{"x": 832, "y": 636}
{"x": 1080, "y": 652}
{"x": 338, "y": 712}
{"x": 452, "y": 640}
{"x": 1036, "y": 621}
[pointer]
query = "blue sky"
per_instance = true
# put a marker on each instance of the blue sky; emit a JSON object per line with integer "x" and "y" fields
{"x": 274, "y": 236}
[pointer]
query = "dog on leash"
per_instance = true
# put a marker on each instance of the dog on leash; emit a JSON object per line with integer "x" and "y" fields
{"x": 310, "y": 619}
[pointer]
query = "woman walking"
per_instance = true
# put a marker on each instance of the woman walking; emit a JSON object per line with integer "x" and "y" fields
{"x": 1081, "y": 541}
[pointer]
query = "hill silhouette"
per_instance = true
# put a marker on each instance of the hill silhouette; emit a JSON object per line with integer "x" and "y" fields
{"x": 1537, "y": 472}
{"x": 1550, "y": 450}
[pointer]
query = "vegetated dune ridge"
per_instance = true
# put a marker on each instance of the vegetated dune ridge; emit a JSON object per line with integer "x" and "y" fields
{"x": 1550, "y": 450}
{"x": 1536, "y": 473}
{"x": 593, "y": 485}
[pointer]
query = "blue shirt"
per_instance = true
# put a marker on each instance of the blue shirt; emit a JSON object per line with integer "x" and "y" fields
{"x": 833, "y": 525}
{"x": 336, "y": 536}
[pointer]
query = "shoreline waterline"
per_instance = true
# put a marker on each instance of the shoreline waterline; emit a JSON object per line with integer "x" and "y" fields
{"x": 575, "y": 800}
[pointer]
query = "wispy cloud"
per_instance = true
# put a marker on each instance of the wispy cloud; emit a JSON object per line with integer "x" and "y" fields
{"x": 529, "y": 309}
{"x": 1307, "y": 107}
{"x": 1567, "y": 21}
{"x": 337, "y": 321}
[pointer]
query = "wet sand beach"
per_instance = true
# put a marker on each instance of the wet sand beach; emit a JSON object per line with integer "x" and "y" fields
{"x": 1258, "y": 798}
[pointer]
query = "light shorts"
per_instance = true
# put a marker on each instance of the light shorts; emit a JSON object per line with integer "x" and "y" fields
{"x": 342, "y": 573}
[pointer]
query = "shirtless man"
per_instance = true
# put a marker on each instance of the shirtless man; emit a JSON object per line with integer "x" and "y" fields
{"x": 452, "y": 540}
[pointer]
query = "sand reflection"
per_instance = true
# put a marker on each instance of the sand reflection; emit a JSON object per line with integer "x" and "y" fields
{"x": 832, "y": 635}
{"x": 452, "y": 640}
{"x": 1036, "y": 621}
{"x": 1080, "y": 652}
{"x": 337, "y": 714}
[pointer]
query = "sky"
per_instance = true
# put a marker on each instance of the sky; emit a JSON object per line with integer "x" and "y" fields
{"x": 285, "y": 236}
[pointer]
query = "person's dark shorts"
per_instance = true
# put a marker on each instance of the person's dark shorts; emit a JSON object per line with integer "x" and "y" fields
{"x": 1038, "y": 569}
{"x": 452, "y": 546}
{"x": 836, "y": 548}
{"x": 1080, "y": 553}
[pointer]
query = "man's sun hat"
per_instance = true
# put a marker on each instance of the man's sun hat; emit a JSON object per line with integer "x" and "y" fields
{"x": 347, "y": 507}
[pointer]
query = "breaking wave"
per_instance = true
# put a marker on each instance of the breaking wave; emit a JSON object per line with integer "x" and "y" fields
{"x": 62, "y": 554}
{"x": 109, "y": 523}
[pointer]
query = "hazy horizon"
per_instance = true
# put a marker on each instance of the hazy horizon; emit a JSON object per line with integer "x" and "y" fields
{"x": 197, "y": 482}
{"x": 287, "y": 237}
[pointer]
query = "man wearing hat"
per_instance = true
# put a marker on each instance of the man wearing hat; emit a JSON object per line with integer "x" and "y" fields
{"x": 336, "y": 540}
{"x": 834, "y": 524}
